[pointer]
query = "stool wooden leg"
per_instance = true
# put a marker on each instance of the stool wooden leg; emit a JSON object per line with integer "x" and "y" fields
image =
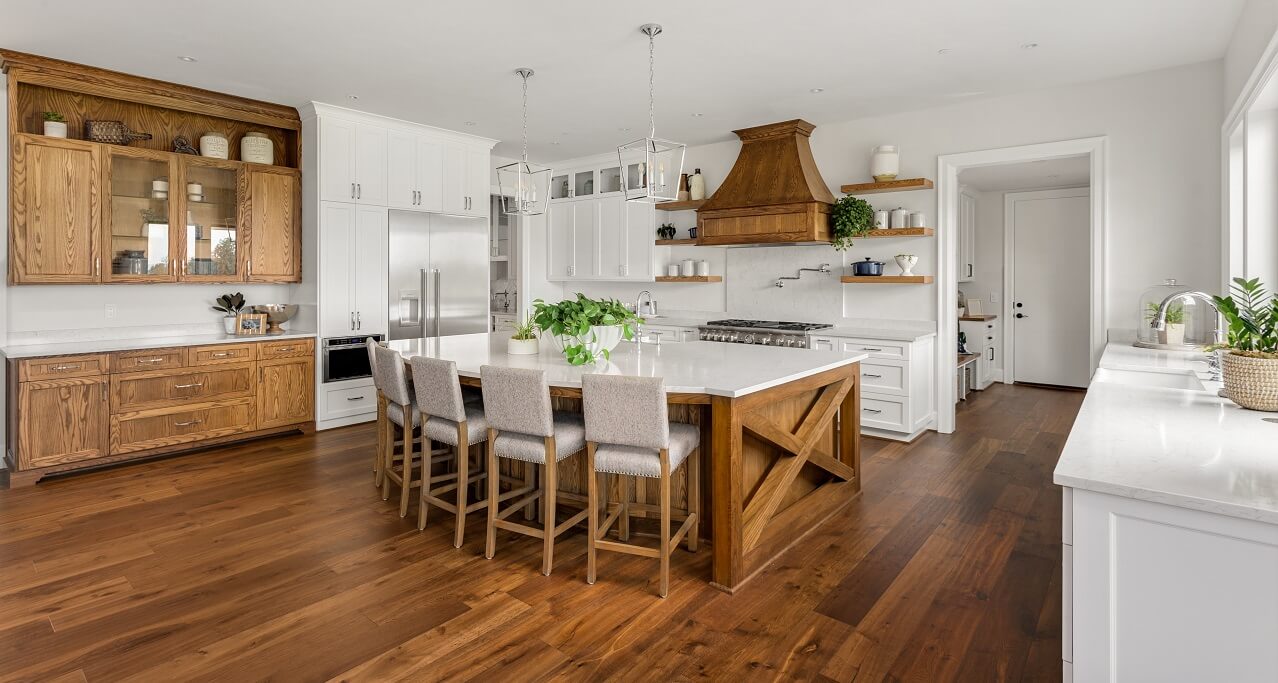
{"x": 388, "y": 461}
{"x": 406, "y": 480}
{"x": 379, "y": 457}
{"x": 623, "y": 491}
{"x": 592, "y": 526}
{"x": 548, "y": 489}
{"x": 694, "y": 498}
{"x": 665, "y": 523}
{"x": 490, "y": 542}
{"x": 530, "y": 478}
{"x": 463, "y": 483}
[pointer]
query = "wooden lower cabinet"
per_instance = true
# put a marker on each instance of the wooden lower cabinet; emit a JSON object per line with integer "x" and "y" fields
{"x": 106, "y": 412}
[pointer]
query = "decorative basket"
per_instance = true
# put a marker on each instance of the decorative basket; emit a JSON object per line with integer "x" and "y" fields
{"x": 111, "y": 132}
{"x": 1251, "y": 382}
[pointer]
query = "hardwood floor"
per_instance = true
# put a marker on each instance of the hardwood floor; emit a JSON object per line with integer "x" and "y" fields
{"x": 278, "y": 560}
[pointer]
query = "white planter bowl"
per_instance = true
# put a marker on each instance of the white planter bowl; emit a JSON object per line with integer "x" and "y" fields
{"x": 522, "y": 347}
{"x": 601, "y": 338}
{"x": 55, "y": 129}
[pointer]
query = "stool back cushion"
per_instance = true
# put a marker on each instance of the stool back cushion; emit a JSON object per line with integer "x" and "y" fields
{"x": 390, "y": 377}
{"x": 438, "y": 388}
{"x": 517, "y": 400}
{"x": 625, "y": 411}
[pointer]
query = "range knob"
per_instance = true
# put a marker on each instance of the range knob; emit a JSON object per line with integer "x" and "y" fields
{"x": 749, "y": 339}
{"x": 734, "y": 337}
{"x": 765, "y": 340}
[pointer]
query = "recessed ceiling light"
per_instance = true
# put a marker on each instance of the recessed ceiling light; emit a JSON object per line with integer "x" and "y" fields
{"x": 470, "y": 123}
{"x": 816, "y": 90}
{"x": 352, "y": 97}
{"x": 555, "y": 142}
{"x": 1050, "y": 177}
{"x": 623, "y": 129}
{"x": 188, "y": 58}
{"x": 944, "y": 51}
{"x": 698, "y": 115}
{"x": 1028, "y": 46}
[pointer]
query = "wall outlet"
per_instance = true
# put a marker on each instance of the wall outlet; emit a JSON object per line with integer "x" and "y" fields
{"x": 993, "y": 297}
{"x": 110, "y": 312}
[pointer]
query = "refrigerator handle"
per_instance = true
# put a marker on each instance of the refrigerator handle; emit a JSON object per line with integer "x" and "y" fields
{"x": 437, "y": 330}
{"x": 422, "y": 306}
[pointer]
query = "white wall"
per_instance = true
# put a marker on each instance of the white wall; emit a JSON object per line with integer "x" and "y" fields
{"x": 1164, "y": 190}
{"x": 1256, "y": 26}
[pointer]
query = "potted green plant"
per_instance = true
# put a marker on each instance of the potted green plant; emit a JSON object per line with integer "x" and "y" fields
{"x": 850, "y": 217}
{"x": 1174, "y": 334}
{"x": 585, "y": 329}
{"x": 230, "y": 306}
{"x": 523, "y": 340}
{"x": 1249, "y": 357}
{"x": 55, "y": 125}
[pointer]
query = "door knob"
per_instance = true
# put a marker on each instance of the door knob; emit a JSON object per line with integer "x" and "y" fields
{"x": 1019, "y": 304}
{"x": 1021, "y": 315}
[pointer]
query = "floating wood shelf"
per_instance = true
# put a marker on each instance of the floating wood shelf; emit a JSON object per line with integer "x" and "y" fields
{"x": 889, "y": 279}
{"x": 686, "y": 242}
{"x": 902, "y": 232}
{"x": 690, "y": 278}
{"x": 902, "y": 185}
{"x": 686, "y": 205}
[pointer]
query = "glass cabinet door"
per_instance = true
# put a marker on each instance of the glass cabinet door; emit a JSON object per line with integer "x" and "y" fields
{"x": 137, "y": 219}
{"x": 211, "y": 244}
{"x": 583, "y": 183}
{"x": 610, "y": 180}
{"x": 559, "y": 186}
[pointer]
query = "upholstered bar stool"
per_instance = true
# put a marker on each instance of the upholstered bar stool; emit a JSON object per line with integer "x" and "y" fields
{"x": 522, "y": 426}
{"x": 391, "y": 378}
{"x": 628, "y": 434}
{"x": 449, "y": 419}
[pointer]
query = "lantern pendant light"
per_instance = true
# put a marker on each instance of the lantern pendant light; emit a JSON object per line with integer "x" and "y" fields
{"x": 650, "y": 167}
{"x": 524, "y": 186}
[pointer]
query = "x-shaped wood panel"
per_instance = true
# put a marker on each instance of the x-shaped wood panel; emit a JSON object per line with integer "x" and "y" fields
{"x": 800, "y": 448}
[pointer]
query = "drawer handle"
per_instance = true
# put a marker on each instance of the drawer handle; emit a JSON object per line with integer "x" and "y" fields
{"x": 867, "y": 348}
{"x": 223, "y": 354}
{"x": 188, "y": 386}
{"x": 64, "y": 368}
{"x": 150, "y": 360}
{"x": 871, "y": 410}
{"x": 187, "y": 423}
{"x": 284, "y": 349}
{"x": 866, "y": 374}
{"x": 354, "y": 398}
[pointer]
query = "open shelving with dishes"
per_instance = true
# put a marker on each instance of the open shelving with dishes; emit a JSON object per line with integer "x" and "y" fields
{"x": 689, "y": 278}
{"x": 887, "y": 279}
{"x": 122, "y": 213}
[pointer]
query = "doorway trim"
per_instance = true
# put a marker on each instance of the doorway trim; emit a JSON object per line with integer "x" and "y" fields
{"x": 947, "y": 170}
{"x": 1009, "y": 268}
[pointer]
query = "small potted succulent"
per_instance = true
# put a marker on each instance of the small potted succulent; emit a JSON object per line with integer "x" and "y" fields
{"x": 229, "y": 305}
{"x": 1249, "y": 358}
{"x": 523, "y": 340}
{"x": 585, "y": 329}
{"x": 55, "y": 125}
{"x": 1174, "y": 334}
{"x": 850, "y": 217}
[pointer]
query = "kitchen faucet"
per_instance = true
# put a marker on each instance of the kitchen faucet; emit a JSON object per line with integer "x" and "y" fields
{"x": 1159, "y": 322}
{"x": 639, "y": 301}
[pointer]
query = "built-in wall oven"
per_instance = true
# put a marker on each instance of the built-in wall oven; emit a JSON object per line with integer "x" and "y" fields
{"x": 346, "y": 357}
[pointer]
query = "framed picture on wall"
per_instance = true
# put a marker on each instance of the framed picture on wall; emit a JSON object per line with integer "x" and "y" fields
{"x": 250, "y": 323}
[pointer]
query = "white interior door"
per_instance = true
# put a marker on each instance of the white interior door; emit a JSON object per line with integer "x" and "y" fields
{"x": 1051, "y": 311}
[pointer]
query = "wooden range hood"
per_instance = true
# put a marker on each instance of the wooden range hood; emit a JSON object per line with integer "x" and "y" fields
{"x": 774, "y": 193}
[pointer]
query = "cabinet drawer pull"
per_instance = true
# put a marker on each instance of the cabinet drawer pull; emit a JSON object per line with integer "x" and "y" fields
{"x": 871, "y": 410}
{"x": 64, "y": 368}
{"x": 868, "y": 348}
{"x": 223, "y": 354}
{"x": 188, "y": 386}
{"x": 354, "y": 398}
{"x": 150, "y": 360}
{"x": 188, "y": 423}
{"x": 285, "y": 349}
{"x": 866, "y": 374}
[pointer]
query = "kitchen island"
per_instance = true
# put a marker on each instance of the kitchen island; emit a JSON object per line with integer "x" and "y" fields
{"x": 779, "y": 431}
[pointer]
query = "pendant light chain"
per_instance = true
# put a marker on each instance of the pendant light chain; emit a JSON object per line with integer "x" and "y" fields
{"x": 525, "y": 76}
{"x": 652, "y": 71}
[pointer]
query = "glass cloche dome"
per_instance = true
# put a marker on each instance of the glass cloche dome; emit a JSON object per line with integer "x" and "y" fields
{"x": 1190, "y": 322}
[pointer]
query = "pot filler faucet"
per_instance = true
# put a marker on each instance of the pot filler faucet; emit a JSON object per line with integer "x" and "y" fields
{"x": 823, "y": 268}
{"x": 1159, "y": 322}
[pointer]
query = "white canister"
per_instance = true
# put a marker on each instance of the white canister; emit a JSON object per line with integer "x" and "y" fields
{"x": 703, "y": 268}
{"x": 918, "y": 219}
{"x": 881, "y": 219}
{"x": 55, "y": 129}
{"x": 885, "y": 163}
{"x": 194, "y": 188}
{"x": 214, "y": 145}
{"x": 672, "y": 270}
{"x": 256, "y": 148}
{"x": 687, "y": 268}
{"x": 900, "y": 218}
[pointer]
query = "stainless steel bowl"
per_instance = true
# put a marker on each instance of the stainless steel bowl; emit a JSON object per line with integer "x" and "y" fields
{"x": 276, "y": 314}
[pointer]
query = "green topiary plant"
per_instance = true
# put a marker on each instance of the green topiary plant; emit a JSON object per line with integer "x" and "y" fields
{"x": 571, "y": 320}
{"x": 54, "y": 116}
{"x": 1252, "y": 316}
{"x": 851, "y": 217}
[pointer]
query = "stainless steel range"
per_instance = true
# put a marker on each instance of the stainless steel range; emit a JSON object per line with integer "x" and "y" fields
{"x": 766, "y": 332}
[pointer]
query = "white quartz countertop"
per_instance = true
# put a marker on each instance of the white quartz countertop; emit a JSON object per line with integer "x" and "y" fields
{"x": 692, "y": 367}
{"x": 108, "y": 345}
{"x": 1191, "y": 449}
{"x": 874, "y": 332}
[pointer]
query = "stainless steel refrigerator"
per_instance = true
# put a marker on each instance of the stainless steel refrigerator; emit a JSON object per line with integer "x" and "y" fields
{"x": 438, "y": 275}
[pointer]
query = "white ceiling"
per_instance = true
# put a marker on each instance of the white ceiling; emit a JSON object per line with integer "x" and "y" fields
{"x": 740, "y": 64}
{"x": 1031, "y": 175}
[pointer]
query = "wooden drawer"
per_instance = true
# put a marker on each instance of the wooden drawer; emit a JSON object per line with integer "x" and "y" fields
{"x": 147, "y": 359}
{"x": 62, "y": 367}
{"x": 145, "y": 429}
{"x": 221, "y": 353}
{"x": 885, "y": 377}
{"x": 884, "y": 412}
{"x": 288, "y": 348}
{"x": 139, "y": 390}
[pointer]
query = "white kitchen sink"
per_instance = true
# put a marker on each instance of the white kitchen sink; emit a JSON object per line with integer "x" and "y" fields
{"x": 1167, "y": 380}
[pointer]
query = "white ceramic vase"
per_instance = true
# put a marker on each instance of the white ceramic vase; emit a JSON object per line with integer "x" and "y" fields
{"x": 522, "y": 347}
{"x": 885, "y": 163}
{"x": 55, "y": 129}
{"x": 906, "y": 263}
{"x": 228, "y": 324}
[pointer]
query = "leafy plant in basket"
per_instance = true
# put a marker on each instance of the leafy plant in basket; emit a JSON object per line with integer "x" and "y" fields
{"x": 850, "y": 217}
{"x": 1250, "y": 362}
{"x": 586, "y": 329}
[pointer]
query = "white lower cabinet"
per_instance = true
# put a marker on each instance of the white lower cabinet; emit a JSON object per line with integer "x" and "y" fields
{"x": 346, "y": 402}
{"x": 898, "y": 388}
{"x": 983, "y": 338}
{"x": 1155, "y": 592}
{"x": 669, "y": 333}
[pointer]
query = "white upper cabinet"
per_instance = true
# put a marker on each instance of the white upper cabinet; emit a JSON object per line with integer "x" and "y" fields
{"x": 601, "y": 238}
{"x": 466, "y": 175}
{"x": 559, "y": 246}
{"x": 641, "y": 231}
{"x": 585, "y": 239}
{"x": 401, "y": 170}
{"x": 370, "y": 165}
{"x": 966, "y": 237}
{"x": 337, "y": 160}
{"x": 430, "y": 174}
